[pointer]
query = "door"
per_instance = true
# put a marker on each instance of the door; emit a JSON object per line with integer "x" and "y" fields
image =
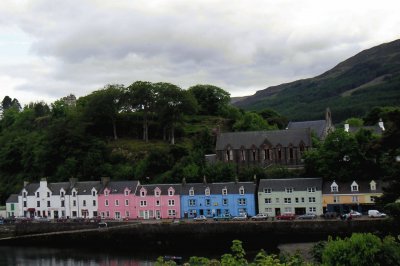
{"x": 201, "y": 212}
{"x": 55, "y": 214}
{"x": 146, "y": 215}
{"x": 158, "y": 214}
{"x": 277, "y": 211}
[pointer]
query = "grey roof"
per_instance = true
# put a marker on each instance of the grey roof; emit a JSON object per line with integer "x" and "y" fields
{"x": 216, "y": 188}
{"x": 163, "y": 187}
{"x": 118, "y": 187}
{"x": 85, "y": 187}
{"x": 298, "y": 184}
{"x": 13, "y": 198}
{"x": 237, "y": 140}
{"x": 345, "y": 187}
{"x": 30, "y": 188}
{"x": 56, "y": 187}
{"x": 374, "y": 129}
{"x": 318, "y": 126}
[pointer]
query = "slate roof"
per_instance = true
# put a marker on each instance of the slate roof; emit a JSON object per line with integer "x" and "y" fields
{"x": 318, "y": 126}
{"x": 118, "y": 187}
{"x": 31, "y": 188}
{"x": 298, "y": 184}
{"x": 216, "y": 188}
{"x": 85, "y": 188}
{"x": 237, "y": 140}
{"x": 163, "y": 187}
{"x": 56, "y": 187}
{"x": 13, "y": 198}
{"x": 374, "y": 129}
{"x": 345, "y": 187}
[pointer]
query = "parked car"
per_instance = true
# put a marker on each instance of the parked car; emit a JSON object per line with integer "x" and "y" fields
{"x": 260, "y": 216}
{"x": 42, "y": 219}
{"x": 376, "y": 214}
{"x": 355, "y": 214}
{"x": 200, "y": 218}
{"x": 224, "y": 217}
{"x": 286, "y": 216}
{"x": 102, "y": 224}
{"x": 240, "y": 218}
{"x": 307, "y": 216}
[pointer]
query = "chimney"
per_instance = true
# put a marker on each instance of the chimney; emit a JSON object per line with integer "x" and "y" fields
{"x": 26, "y": 183}
{"x": 105, "y": 180}
{"x": 236, "y": 180}
{"x": 43, "y": 182}
{"x": 255, "y": 179}
{"x": 204, "y": 180}
{"x": 183, "y": 181}
{"x": 346, "y": 127}
{"x": 380, "y": 123}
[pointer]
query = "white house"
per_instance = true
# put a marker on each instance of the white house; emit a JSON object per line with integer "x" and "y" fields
{"x": 12, "y": 206}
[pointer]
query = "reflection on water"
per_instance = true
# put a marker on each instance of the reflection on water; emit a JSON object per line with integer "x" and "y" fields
{"x": 32, "y": 256}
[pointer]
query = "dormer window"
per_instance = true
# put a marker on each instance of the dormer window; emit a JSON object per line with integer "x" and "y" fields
{"x": 268, "y": 190}
{"x": 372, "y": 185}
{"x": 24, "y": 194}
{"x": 73, "y": 193}
{"x": 241, "y": 190}
{"x": 142, "y": 192}
{"x": 354, "y": 186}
{"x": 311, "y": 189}
{"x": 157, "y": 192}
{"x": 93, "y": 193}
{"x": 37, "y": 194}
{"x": 289, "y": 190}
{"x": 191, "y": 192}
{"x": 207, "y": 192}
{"x": 62, "y": 194}
{"x": 106, "y": 192}
{"x": 48, "y": 194}
{"x": 224, "y": 191}
{"x": 170, "y": 191}
{"x": 126, "y": 192}
{"x": 334, "y": 187}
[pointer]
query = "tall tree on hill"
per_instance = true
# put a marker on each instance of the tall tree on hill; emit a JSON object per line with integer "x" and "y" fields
{"x": 141, "y": 96}
{"x": 173, "y": 103}
{"x": 212, "y": 100}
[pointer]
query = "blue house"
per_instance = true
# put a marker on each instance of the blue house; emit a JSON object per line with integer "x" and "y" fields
{"x": 215, "y": 199}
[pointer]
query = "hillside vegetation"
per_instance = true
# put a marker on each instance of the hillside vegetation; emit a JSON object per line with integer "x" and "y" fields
{"x": 370, "y": 78}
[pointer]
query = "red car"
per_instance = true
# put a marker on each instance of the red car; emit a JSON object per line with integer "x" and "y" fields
{"x": 286, "y": 216}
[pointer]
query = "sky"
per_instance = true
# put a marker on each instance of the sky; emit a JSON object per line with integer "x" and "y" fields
{"x": 51, "y": 48}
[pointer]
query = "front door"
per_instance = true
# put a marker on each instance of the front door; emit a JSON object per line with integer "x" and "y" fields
{"x": 158, "y": 214}
{"x": 201, "y": 212}
{"x": 55, "y": 214}
{"x": 146, "y": 215}
{"x": 277, "y": 211}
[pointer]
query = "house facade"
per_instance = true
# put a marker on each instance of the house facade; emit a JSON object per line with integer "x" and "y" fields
{"x": 12, "y": 206}
{"x": 161, "y": 201}
{"x": 117, "y": 199}
{"x": 341, "y": 197}
{"x": 216, "y": 199}
{"x": 264, "y": 148}
{"x": 291, "y": 195}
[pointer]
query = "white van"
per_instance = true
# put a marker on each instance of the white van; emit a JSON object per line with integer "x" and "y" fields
{"x": 375, "y": 214}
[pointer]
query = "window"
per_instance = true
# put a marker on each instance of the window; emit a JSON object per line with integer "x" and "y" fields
{"x": 106, "y": 193}
{"x": 311, "y": 189}
{"x": 74, "y": 213}
{"x": 126, "y": 192}
{"x": 191, "y": 192}
{"x": 94, "y": 202}
{"x": 224, "y": 201}
{"x": 93, "y": 193}
{"x": 268, "y": 190}
{"x": 354, "y": 188}
{"x": 287, "y": 200}
{"x": 192, "y": 202}
{"x": 312, "y": 209}
{"x": 84, "y": 203}
{"x": 74, "y": 203}
{"x": 48, "y": 203}
{"x": 127, "y": 214}
{"x": 336, "y": 199}
{"x": 242, "y": 201}
{"x": 296, "y": 200}
{"x": 208, "y": 202}
{"x": 241, "y": 190}
{"x": 268, "y": 200}
{"x": 289, "y": 190}
{"x": 354, "y": 199}
{"x": 311, "y": 199}
{"x": 38, "y": 204}
{"x": 208, "y": 212}
{"x": 143, "y": 203}
{"x": 48, "y": 194}
{"x": 224, "y": 191}
{"x": 268, "y": 210}
{"x": 107, "y": 214}
{"x": 157, "y": 193}
{"x": 302, "y": 200}
{"x": 334, "y": 189}
{"x": 106, "y": 202}
{"x": 116, "y": 202}
{"x": 288, "y": 209}
{"x": 171, "y": 202}
{"x": 62, "y": 193}
{"x": 62, "y": 203}
{"x": 142, "y": 193}
{"x": 117, "y": 215}
{"x": 126, "y": 202}
{"x": 24, "y": 203}
{"x": 74, "y": 194}
{"x": 170, "y": 192}
{"x": 372, "y": 198}
{"x": 158, "y": 203}
{"x": 171, "y": 213}
{"x": 372, "y": 185}
{"x": 37, "y": 194}
{"x": 207, "y": 192}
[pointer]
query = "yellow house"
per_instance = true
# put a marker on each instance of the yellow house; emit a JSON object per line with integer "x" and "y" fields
{"x": 341, "y": 197}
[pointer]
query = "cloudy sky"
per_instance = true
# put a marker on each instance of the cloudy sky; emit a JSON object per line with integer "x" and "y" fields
{"x": 50, "y": 48}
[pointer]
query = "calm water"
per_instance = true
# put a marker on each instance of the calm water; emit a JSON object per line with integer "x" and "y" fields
{"x": 69, "y": 257}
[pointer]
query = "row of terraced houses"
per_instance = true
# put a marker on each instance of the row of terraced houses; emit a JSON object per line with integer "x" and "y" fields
{"x": 132, "y": 200}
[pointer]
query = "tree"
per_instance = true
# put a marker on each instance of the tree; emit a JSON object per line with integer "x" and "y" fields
{"x": 212, "y": 100}
{"x": 141, "y": 96}
{"x": 355, "y": 122}
{"x": 251, "y": 122}
{"x": 274, "y": 118}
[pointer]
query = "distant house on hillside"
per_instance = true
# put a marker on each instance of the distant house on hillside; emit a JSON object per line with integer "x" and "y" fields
{"x": 320, "y": 127}
{"x": 263, "y": 148}
{"x": 377, "y": 129}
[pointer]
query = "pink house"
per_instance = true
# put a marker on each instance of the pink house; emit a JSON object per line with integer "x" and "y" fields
{"x": 158, "y": 201}
{"x": 116, "y": 200}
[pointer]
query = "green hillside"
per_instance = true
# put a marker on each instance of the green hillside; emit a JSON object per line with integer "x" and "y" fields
{"x": 370, "y": 78}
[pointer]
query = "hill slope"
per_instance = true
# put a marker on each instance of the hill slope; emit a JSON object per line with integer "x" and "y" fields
{"x": 370, "y": 78}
